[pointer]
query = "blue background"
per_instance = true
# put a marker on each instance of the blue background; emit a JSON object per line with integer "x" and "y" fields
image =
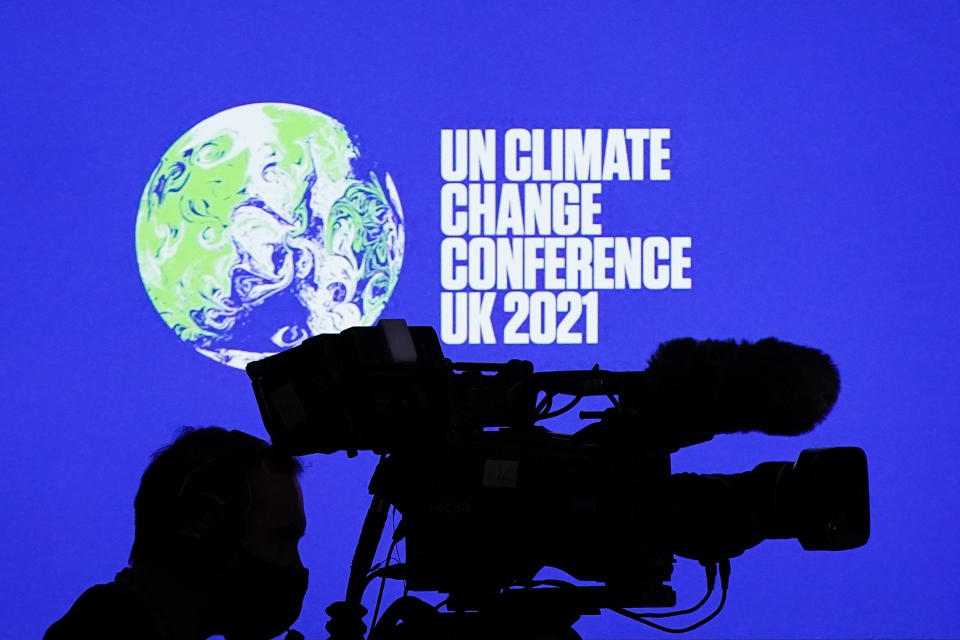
{"x": 815, "y": 156}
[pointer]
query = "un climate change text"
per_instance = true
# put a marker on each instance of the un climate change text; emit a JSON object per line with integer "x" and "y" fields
{"x": 521, "y": 214}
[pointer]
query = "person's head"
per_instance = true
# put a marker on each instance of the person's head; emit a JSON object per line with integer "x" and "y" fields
{"x": 222, "y": 511}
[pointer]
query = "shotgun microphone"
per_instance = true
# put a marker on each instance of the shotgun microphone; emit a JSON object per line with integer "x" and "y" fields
{"x": 699, "y": 388}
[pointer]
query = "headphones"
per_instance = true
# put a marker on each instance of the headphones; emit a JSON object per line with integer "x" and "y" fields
{"x": 212, "y": 501}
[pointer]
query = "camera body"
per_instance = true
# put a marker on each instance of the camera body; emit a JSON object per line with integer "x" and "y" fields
{"x": 488, "y": 496}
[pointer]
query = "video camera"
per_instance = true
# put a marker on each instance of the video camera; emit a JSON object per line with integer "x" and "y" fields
{"x": 489, "y": 497}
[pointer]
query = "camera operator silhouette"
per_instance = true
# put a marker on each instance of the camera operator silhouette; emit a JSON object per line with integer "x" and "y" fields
{"x": 219, "y": 517}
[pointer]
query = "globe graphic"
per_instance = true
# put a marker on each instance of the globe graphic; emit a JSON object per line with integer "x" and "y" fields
{"x": 254, "y": 233}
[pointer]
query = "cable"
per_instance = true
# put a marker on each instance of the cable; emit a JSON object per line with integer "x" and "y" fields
{"x": 724, "y": 585}
{"x": 383, "y": 582}
{"x": 563, "y": 409}
{"x": 398, "y": 537}
{"x": 549, "y": 582}
{"x": 545, "y": 404}
{"x": 681, "y": 612}
{"x": 378, "y": 571}
{"x": 696, "y": 625}
{"x": 710, "y": 569}
{"x": 383, "y": 572}
{"x": 393, "y": 572}
{"x": 711, "y": 575}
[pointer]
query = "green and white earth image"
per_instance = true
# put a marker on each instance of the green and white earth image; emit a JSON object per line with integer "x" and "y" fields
{"x": 254, "y": 233}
